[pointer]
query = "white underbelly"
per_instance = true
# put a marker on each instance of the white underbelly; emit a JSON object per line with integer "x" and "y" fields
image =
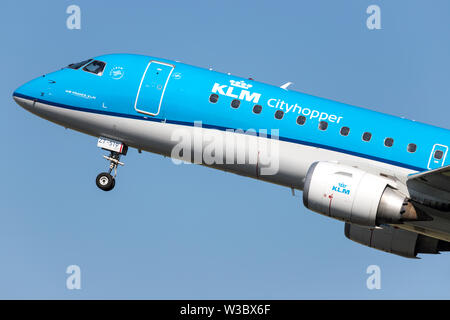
{"x": 274, "y": 161}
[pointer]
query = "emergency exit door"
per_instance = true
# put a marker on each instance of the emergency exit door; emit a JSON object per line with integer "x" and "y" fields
{"x": 152, "y": 87}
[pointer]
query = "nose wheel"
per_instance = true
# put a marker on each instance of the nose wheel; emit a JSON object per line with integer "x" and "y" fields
{"x": 107, "y": 180}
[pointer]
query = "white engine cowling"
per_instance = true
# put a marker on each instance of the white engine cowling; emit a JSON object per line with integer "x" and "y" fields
{"x": 355, "y": 196}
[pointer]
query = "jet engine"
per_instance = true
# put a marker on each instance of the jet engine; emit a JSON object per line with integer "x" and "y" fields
{"x": 397, "y": 241}
{"x": 353, "y": 195}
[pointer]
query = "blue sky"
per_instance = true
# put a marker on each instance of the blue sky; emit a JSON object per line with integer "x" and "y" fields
{"x": 190, "y": 232}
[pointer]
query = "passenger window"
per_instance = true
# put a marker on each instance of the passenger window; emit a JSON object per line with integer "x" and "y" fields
{"x": 213, "y": 98}
{"x": 389, "y": 142}
{"x": 78, "y": 65}
{"x": 301, "y": 120}
{"x": 95, "y": 67}
{"x": 345, "y": 131}
{"x": 412, "y": 147}
{"x": 279, "y": 114}
{"x": 257, "y": 109}
{"x": 438, "y": 154}
{"x": 235, "y": 103}
{"x": 323, "y": 125}
{"x": 367, "y": 136}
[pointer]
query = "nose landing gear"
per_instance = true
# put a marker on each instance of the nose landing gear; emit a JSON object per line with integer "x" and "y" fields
{"x": 106, "y": 180}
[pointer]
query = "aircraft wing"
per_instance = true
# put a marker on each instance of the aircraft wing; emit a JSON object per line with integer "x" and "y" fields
{"x": 431, "y": 187}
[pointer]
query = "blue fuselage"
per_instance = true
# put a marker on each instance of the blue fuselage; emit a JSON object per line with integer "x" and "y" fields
{"x": 171, "y": 92}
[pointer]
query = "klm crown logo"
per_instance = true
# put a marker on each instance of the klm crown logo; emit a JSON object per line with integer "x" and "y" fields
{"x": 240, "y": 84}
{"x": 237, "y": 90}
{"x": 341, "y": 188}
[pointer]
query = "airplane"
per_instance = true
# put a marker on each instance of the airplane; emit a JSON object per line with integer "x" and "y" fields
{"x": 387, "y": 178}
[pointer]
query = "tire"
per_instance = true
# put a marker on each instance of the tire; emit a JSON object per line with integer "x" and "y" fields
{"x": 105, "y": 181}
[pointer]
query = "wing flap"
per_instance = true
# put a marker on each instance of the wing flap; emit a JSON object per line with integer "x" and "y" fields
{"x": 431, "y": 186}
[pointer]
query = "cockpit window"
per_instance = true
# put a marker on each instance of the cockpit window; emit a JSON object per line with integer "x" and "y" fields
{"x": 95, "y": 67}
{"x": 78, "y": 65}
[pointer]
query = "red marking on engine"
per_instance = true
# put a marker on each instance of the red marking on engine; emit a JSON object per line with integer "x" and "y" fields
{"x": 329, "y": 205}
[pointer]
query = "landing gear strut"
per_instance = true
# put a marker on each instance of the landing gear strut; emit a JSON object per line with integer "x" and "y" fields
{"x": 107, "y": 180}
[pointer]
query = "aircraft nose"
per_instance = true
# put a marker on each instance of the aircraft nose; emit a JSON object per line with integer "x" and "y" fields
{"x": 28, "y": 93}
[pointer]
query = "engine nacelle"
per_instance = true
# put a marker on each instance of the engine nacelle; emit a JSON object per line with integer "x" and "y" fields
{"x": 352, "y": 195}
{"x": 397, "y": 241}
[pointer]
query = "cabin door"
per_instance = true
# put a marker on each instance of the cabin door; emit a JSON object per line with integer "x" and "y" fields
{"x": 437, "y": 156}
{"x": 152, "y": 87}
